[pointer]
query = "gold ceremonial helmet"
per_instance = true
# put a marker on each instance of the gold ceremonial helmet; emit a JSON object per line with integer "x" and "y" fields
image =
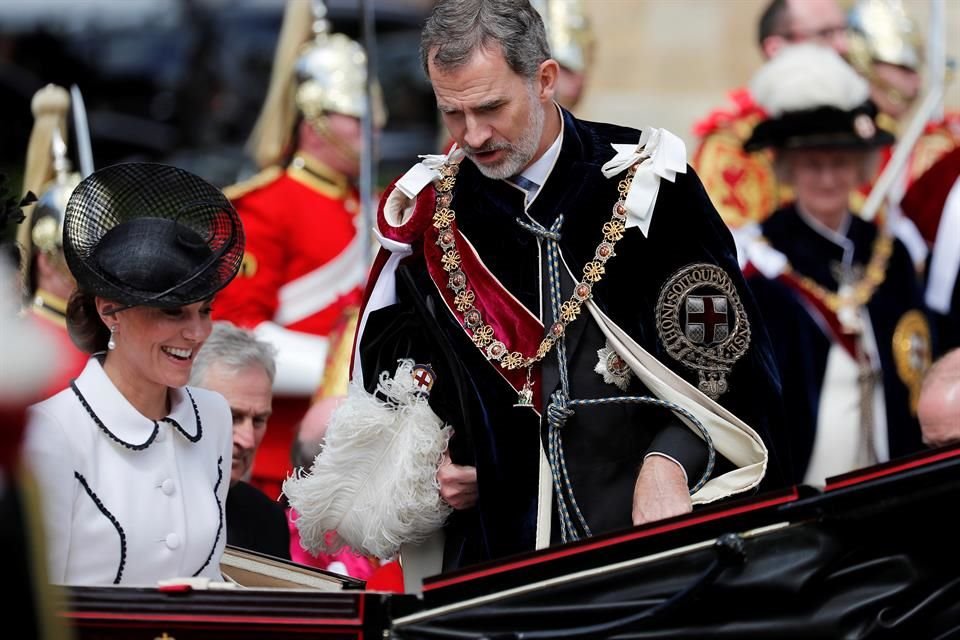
{"x": 332, "y": 76}
{"x": 883, "y": 31}
{"x": 315, "y": 72}
{"x": 568, "y": 32}
{"x": 49, "y": 174}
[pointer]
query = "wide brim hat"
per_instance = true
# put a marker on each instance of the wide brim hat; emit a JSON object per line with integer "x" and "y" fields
{"x": 825, "y": 127}
{"x": 813, "y": 99}
{"x": 151, "y": 234}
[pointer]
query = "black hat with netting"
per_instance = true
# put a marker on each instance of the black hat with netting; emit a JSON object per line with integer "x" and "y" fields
{"x": 151, "y": 234}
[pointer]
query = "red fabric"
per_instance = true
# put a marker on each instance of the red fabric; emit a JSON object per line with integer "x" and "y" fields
{"x": 742, "y": 104}
{"x": 845, "y": 340}
{"x": 291, "y": 230}
{"x": 358, "y": 566}
{"x": 924, "y": 201}
{"x": 512, "y": 323}
{"x": 422, "y": 217}
{"x": 11, "y": 434}
{"x": 387, "y": 578}
{"x": 70, "y": 360}
{"x": 272, "y": 463}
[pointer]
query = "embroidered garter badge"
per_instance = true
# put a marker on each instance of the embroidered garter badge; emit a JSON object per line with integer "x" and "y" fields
{"x": 703, "y": 325}
{"x": 612, "y": 367}
{"x": 423, "y": 377}
{"x": 912, "y": 353}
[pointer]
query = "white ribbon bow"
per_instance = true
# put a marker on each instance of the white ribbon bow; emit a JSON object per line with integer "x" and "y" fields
{"x": 661, "y": 155}
{"x": 426, "y": 171}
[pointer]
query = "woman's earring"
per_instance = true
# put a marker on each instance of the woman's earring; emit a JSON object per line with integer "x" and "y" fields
{"x": 112, "y": 344}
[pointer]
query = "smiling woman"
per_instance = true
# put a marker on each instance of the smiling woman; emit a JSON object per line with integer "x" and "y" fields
{"x": 839, "y": 294}
{"x": 133, "y": 465}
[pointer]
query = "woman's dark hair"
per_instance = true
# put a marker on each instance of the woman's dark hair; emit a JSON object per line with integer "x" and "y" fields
{"x": 84, "y": 325}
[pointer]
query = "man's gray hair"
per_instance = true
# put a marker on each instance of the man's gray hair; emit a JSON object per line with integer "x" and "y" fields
{"x": 235, "y": 348}
{"x": 458, "y": 28}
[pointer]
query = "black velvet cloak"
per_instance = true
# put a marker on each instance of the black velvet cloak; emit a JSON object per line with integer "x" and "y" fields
{"x": 604, "y": 445}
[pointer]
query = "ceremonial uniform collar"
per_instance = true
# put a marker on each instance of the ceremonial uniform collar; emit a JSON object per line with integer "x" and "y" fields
{"x": 314, "y": 174}
{"x": 121, "y": 420}
{"x": 50, "y": 307}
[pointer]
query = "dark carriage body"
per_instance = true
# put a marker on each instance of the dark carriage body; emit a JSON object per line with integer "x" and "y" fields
{"x": 873, "y": 555}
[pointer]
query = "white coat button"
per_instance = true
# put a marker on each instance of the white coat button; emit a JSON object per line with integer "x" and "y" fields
{"x": 172, "y": 541}
{"x": 167, "y": 486}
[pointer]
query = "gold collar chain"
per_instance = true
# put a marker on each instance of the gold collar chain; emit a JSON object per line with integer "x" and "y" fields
{"x": 860, "y": 292}
{"x": 483, "y": 334}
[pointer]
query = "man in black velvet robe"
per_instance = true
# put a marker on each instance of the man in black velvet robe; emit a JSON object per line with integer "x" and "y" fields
{"x": 805, "y": 332}
{"x": 616, "y": 247}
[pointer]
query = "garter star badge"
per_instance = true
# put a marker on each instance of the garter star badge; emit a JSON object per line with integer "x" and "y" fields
{"x": 612, "y": 367}
{"x": 703, "y": 325}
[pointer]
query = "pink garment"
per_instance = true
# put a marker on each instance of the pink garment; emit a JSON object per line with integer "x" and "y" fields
{"x": 345, "y": 562}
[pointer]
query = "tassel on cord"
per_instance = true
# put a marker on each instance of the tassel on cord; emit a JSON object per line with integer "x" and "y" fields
{"x": 374, "y": 485}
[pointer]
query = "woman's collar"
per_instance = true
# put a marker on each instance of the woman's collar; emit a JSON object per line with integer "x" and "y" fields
{"x": 121, "y": 420}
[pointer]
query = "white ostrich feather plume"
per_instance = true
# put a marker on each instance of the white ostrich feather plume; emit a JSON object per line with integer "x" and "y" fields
{"x": 807, "y": 76}
{"x": 374, "y": 485}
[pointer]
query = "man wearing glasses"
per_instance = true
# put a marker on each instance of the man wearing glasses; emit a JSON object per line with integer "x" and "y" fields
{"x": 744, "y": 188}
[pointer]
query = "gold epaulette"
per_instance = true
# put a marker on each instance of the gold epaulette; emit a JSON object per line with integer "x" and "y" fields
{"x": 317, "y": 176}
{"x": 932, "y": 145}
{"x": 252, "y": 183}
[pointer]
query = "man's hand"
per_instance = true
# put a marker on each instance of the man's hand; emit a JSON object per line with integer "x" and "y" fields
{"x": 661, "y": 491}
{"x": 458, "y": 483}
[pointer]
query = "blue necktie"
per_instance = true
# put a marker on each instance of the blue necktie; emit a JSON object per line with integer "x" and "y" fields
{"x": 529, "y": 186}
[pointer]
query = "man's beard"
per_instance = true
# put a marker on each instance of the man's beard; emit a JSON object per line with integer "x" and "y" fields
{"x": 517, "y": 155}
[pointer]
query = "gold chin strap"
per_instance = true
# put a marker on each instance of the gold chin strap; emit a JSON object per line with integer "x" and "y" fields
{"x": 892, "y": 94}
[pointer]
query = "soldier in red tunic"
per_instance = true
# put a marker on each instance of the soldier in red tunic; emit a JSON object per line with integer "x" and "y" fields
{"x": 304, "y": 264}
{"x": 47, "y": 281}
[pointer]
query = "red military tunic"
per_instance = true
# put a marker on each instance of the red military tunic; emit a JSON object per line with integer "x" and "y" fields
{"x": 742, "y": 185}
{"x": 303, "y": 266}
{"x": 48, "y": 312}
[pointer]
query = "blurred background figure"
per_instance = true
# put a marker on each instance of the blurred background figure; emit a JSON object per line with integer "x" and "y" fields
{"x": 933, "y": 204}
{"x": 571, "y": 39}
{"x": 30, "y": 366}
{"x": 839, "y": 294}
{"x": 940, "y": 402}
{"x": 132, "y": 464}
{"x": 46, "y": 278}
{"x": 305, "y": 263}
{"x": 886, "y": 48}
{"x": 743, "y": 186}
{"x": 241, "y": 368}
